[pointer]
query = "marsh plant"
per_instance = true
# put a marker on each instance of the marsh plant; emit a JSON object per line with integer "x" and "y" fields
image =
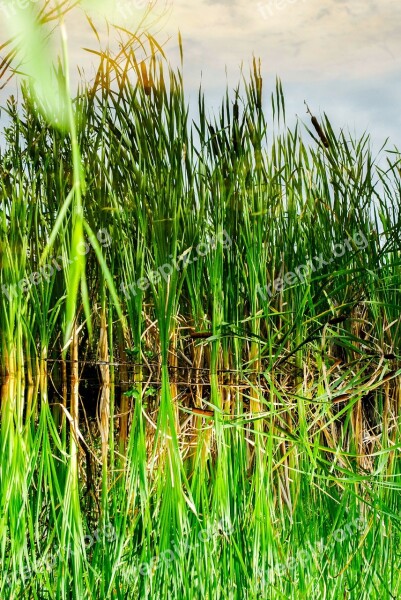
{"x": 195, "y": 399}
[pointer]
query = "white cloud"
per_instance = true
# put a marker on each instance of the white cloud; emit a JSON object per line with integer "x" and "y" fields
{"x": 306, "y": 42}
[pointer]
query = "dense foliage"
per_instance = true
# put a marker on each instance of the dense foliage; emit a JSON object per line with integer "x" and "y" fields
{"x": 236, "y": 291}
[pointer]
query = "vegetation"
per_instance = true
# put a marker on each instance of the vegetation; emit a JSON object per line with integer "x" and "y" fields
{"x": 233, "y": 287}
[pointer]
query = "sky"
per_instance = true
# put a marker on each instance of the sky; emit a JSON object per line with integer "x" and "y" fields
{"x": 342, "y": 56}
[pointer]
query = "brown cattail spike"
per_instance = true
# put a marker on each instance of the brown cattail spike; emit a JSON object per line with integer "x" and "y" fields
{"x": 145, "y": 80}
{"x": 236, "y": 112}
{"x": 336, "y": 320}
{"x": 320, "y": 133}
{"x": 215, "y": 145}
{"x": 202, "y": 412}
{"x": 318, "y": 128}
{"x": 198, "y": 335}
{"x": 236, "y": 140}
{"x": 341, "y": 398}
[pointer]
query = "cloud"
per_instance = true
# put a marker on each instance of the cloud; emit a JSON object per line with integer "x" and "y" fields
{"x": 350, "y": 48}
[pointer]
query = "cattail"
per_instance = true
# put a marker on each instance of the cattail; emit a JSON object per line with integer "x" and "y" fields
{"x": 258, "y": 83}
{"x": 341, "y": 398}
{"x": 236, "y": 137}
{"x": 390, "y": 375}
{"x": 202, "y": 412}
{"x": 145, "y": 80}
{"x": 336, "y": 320}
{"x": 318, "y": 128}
{"x": 198, "y": 335}
{"x": 236, "y": 112}
{"x": 215, "y": 144}
{"x": 320, "y": 132}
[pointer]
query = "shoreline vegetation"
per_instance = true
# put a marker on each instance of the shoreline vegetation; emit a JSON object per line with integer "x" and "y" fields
{"x": 185, "y": 411}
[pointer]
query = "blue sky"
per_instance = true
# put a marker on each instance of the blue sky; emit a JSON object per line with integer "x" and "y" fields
{"x": 342, "y": 56}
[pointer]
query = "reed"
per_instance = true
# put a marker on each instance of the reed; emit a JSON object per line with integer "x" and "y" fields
{"x": 238, "y": 295}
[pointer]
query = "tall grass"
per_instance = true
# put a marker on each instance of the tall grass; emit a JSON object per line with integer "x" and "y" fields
{"x": 241, "y": 438}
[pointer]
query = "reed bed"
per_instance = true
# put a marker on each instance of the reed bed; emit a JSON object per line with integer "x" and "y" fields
{"x": 200, "y": 348}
